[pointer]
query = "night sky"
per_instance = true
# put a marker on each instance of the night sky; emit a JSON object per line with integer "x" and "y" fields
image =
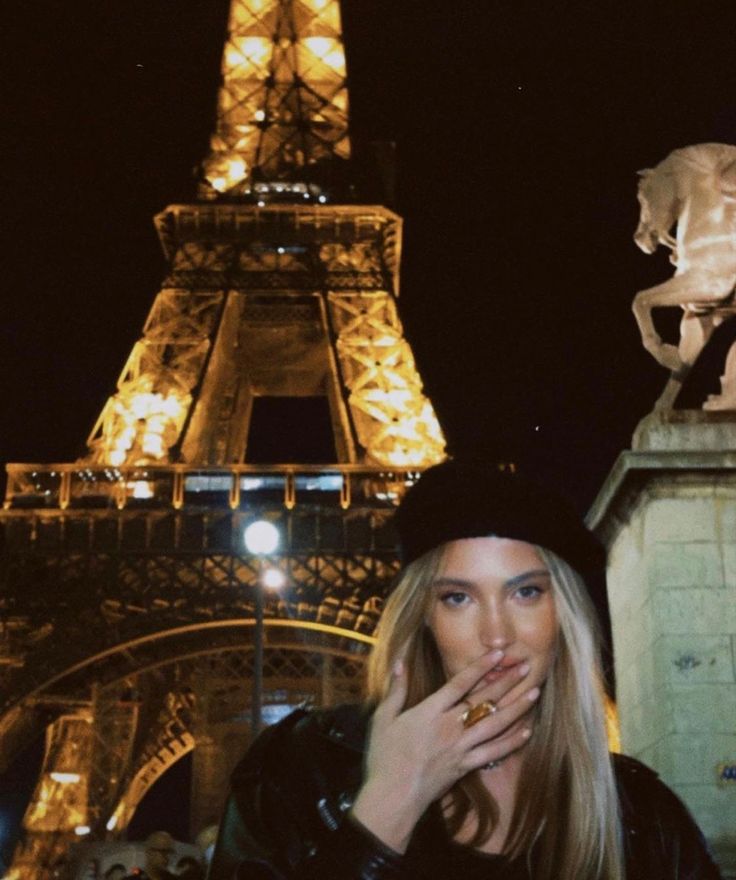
{"x": 519, "y": 128}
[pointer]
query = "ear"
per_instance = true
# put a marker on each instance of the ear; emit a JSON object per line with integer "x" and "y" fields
{"x": 727, "y": 179}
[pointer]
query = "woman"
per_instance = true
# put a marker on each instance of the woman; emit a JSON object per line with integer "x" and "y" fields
{"x": 487, "y": 754}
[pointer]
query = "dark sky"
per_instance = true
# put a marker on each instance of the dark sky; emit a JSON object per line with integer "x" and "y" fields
{"x": 519, "y": 129}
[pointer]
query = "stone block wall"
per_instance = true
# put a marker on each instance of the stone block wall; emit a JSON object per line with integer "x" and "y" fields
{"x": 671, "y": 534}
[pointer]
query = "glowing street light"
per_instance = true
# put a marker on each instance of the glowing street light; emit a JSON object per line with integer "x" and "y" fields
{"x": 261, "y": 538}
{"x": 273, "y": 578}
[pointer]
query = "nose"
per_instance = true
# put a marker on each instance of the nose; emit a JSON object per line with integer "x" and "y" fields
{"x": 645, "y": 239}
{"x": 496, "y": 628}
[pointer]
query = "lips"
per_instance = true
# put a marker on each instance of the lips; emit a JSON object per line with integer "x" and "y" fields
{"x": 501, "y": 670}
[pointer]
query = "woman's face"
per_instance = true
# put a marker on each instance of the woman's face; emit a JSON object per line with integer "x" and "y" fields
{"x": 493, "y": 593}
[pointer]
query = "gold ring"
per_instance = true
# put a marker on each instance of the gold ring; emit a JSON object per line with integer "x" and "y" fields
{"x": 473, "y": 714}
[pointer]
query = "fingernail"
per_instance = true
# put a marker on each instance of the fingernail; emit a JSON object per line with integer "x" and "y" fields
{"x": 397, "y": 669}
{"x": 496, "y": 656}
{"x": 523, "y": 670}
{"x": 532, "y": 695}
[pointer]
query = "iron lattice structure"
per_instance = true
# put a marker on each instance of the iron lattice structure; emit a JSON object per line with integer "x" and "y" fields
{"x": 282, "y": 111}
{"x": 281, "y": 300}
{"x": 115, "y": 608}
{"x": 127, "y": 599}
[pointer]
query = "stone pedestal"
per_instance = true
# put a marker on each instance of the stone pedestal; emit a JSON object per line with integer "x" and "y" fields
{"x": 667, "y": 514}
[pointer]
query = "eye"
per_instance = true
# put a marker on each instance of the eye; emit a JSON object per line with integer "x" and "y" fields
{"x": 453, "y": 598}
{"x": 529, "y": 592}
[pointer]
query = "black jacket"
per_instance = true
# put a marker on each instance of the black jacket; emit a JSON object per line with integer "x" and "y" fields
{"x": 286, "y": 816}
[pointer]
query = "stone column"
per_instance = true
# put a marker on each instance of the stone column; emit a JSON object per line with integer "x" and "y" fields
{"x": 667, "y": 514}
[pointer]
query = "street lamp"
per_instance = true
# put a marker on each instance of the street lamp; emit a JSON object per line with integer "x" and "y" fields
{"x": 261, "y": 539}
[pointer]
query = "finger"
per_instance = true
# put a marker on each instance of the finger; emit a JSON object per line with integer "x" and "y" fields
{"x": 497, "y": 749}
{"x": 464, "y": 681}
{"x": 392, "y": 704}
{"x": 503, "y": 692}
{"x": 494, "y": 725}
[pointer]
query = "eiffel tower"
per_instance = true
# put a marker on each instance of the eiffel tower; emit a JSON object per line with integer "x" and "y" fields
{"x": 130, "y": 624}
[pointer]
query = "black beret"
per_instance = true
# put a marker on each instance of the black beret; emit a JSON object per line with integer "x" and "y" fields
{"x": 470, "y": 499}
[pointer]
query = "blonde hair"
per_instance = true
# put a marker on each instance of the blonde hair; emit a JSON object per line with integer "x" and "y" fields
{"x": 567, "y": 808}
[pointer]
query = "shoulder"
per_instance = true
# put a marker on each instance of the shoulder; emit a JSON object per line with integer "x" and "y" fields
{"x": 346, "y": 725}
{"x": 297, "y": 778}
{"x": 306, "y": 739}
{"x": 644, "y": 797}
{"x": 658, "y": 827}
{"x": 630, "y": 773}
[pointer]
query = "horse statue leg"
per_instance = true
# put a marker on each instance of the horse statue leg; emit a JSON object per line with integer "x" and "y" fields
{"x": 695, "y": 331}
{"x": 693, "y": 288}
{"x": 727, "y": 398}
{"x": 677, "y": 291}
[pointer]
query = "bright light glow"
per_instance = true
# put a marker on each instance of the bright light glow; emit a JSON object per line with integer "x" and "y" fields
{"x": 259, "y": 115}
{"x": 319, "y": 46}
{"x": 396, "y": 397}
{"x": 236, "y": 169}
{"x": 261, "y": 537}
{"x": 112, "y": 822}
{"x": 142, "y": 489}
{"x": 81, "y": 830}
{"x": 149, "y": 418}
{"x": 273, "y": 578}
{"x": 387, "y": 340}
{"x": 335, "y": 59}
{"x": 406, "y": 458}
{"x": 231, "y": 172}
{"x": 254, "y": 49}
{"x": 65, "y": 777}
{"x": 327, "y": 50}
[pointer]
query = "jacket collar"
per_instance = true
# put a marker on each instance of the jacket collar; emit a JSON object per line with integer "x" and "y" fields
{"x": 346, "y": 725}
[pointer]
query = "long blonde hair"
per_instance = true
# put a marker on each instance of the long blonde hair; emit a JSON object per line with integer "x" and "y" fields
{"x": 567, "y": 808}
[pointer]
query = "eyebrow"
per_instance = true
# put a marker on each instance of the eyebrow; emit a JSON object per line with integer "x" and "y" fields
{"x": 451, "y": 582}
{"x": 535, "y": 572}
{"x": 511, "y": 582}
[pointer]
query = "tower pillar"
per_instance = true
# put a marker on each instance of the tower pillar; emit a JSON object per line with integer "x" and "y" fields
{"x": 216, "y": 752}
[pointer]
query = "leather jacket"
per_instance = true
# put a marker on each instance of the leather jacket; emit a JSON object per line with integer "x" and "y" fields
{"x": 287, "y": 815}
